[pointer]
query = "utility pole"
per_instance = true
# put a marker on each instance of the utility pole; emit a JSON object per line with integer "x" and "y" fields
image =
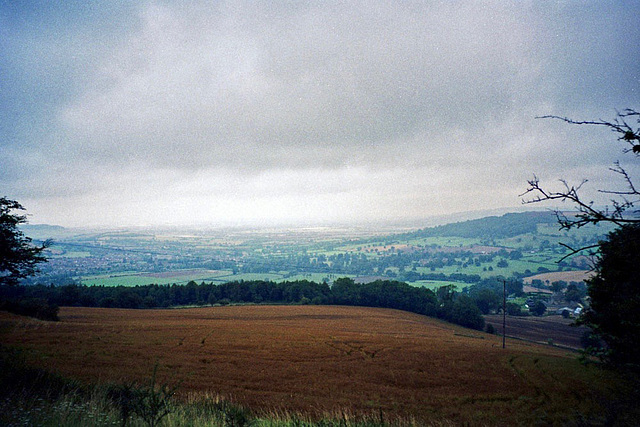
{"x": 504, "y": 312}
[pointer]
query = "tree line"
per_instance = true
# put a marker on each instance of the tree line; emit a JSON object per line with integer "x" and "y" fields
{"x": 44, "y": 300}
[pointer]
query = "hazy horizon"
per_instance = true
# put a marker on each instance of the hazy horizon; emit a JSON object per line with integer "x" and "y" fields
{"x": 374, "y": 226}
{"x": 161, "y": 113}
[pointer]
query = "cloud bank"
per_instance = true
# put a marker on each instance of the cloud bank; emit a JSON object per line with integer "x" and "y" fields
{"x": 161, "y": 112}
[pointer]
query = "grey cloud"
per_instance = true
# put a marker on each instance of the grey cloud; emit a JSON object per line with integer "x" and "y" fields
{"x": 426, "y": 103}
{"x": 206, "y": 93}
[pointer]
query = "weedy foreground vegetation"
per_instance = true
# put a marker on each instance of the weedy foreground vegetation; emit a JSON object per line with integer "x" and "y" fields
{"x": 291, "y": 365}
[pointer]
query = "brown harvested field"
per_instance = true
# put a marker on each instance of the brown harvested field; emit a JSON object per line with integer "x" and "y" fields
{"x": 540, "y": 329}
{"x": 567, "y": 276}
{"x": 315, "y": 360}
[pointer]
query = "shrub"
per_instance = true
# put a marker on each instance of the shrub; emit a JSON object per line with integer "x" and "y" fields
{"x": 125, "y": 397}
{"x": 151, "y": 403}
{"x": 514, "y": 309}
{"x": 32, "y": 307}
{"x": 591, "y": 340}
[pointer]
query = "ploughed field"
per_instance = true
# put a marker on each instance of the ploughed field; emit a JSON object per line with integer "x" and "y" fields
{"x": 553, "y": 329}
{"x": 318, "y": 360}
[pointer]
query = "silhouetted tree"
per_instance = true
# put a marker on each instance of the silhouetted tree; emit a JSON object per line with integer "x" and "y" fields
{"x": 614, "y": 311}
{"x": 18, "y": 256}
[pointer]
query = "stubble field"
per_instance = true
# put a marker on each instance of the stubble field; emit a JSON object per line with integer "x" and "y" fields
{"x": 318, "y": 360}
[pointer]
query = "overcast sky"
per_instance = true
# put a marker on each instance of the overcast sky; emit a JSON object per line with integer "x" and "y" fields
{"x": 172, "y": 112}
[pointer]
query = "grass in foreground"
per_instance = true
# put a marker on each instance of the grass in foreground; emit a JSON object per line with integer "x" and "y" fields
{"x": 35, "y": 397}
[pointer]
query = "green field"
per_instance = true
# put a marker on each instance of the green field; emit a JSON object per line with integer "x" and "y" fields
{"x": 127, "y": 280}
{"x": 514, "y": 266}
{"x": 136, "y": 279}
{"x": 181, "y": 278}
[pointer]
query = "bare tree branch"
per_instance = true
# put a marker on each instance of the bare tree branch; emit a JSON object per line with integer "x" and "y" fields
{"x": 586, "y": 212}
{"x": 575, "y": 251}
{"x": 619, "y": 125}
{"x": 621, "y": 171}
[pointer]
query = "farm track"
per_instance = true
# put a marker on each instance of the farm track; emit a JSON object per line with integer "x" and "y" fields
{"x": 308, "y": 359}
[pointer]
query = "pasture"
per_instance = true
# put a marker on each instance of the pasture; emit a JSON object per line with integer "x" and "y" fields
{"x": 163, "y": 278}
{"x": 319, "y": 360}
{"x": 182, "y": 277}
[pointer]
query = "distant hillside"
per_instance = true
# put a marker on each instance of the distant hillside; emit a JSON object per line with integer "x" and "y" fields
{"x": 507, "y": 225}
{"x": 43, "y": 231}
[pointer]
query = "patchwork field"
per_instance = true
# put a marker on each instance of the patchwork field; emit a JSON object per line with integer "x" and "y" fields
{"x": 321, "y": 359}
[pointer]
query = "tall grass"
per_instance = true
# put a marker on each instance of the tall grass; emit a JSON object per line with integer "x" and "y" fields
{"x": 35, "y": 397}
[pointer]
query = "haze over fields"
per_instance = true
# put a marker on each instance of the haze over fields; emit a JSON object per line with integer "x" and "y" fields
{"x": 262, "y": 112}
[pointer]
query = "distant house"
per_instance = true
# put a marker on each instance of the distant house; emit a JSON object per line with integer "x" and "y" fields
{"x": 569, "y": 310}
